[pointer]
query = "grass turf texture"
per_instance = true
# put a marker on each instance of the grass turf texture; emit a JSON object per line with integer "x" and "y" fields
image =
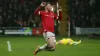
{"x": 24, "y": 46}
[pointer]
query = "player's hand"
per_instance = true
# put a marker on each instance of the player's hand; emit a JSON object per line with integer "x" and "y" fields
{"x": 60, "y": 9}
{"x": 43, "y": 3}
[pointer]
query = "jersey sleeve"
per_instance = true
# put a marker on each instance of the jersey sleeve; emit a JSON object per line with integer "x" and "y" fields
{"x": 58, "y": 17}
{"x": 37, "y": 11}
{"x": 55, "y": 16}
{"x": 40, "y": 12}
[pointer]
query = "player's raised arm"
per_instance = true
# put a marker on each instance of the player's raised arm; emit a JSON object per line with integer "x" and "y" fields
{"x": 60, "y": 14}
{"x": 37, "y": 11}
{"x": 59, "y": 17}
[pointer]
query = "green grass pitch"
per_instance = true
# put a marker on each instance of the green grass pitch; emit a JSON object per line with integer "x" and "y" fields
{"x": 24, "y": 46}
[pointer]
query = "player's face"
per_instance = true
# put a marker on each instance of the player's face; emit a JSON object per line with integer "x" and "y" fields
{"x": 49, "y": 7}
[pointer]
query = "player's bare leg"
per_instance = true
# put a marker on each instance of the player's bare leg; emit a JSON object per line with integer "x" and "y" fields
{"x": 51, "y": 43}
{"x": 50, "y": 46}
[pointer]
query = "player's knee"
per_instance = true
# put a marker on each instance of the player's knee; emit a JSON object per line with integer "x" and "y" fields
{"x": 51, "y": 44}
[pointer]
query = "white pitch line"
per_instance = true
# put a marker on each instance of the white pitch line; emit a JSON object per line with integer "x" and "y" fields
{"x": 9, "y": 46}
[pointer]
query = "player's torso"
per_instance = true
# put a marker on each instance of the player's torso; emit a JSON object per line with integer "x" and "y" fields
{"x": 48, "y": 20}
{"x": 67, "y": 41}
{"x": 64, "y": 41}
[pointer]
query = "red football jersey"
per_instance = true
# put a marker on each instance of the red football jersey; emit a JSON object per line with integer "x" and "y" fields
{"x": 47, "y": 19}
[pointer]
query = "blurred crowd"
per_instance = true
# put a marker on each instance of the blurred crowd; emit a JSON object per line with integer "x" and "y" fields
{"x": 19, "y": 13}
{"x": 85, "y": 13}
{"x": 15, "y": 13}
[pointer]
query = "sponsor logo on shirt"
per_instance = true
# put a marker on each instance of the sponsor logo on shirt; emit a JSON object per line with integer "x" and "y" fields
{"x": 50, "y": 16}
